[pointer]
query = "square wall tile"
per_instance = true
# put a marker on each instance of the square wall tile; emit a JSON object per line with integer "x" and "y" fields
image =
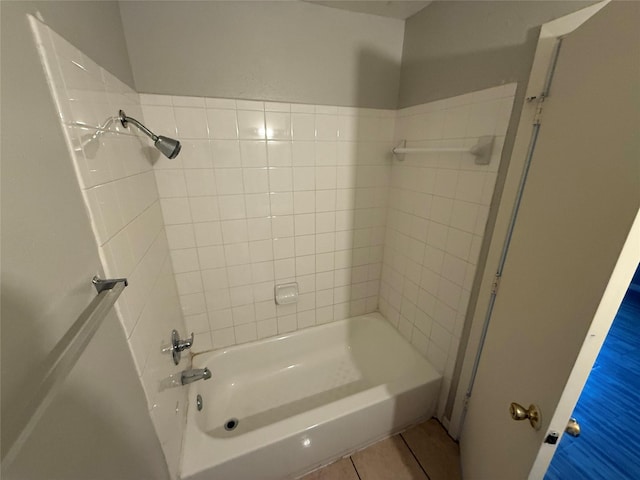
{"x": 229, "y": 181}
{"x": 194, "y": 154}
{"x": 278, "y": 125}
{"x": 200, "y": 182}
{"x": 246, "y": 333}
{"x": 279, "y": 153}
{"x": 303, "y": 126}
{"x": 203, "y": 209}
{"x": 304, "y": 178}
{"x": 171, "y": 183}
{"x": 280, "y": 179}
{"x": 303, "y": 153}
{"x": 223, "y": 337}
{"x": 256, "y": 180}
{"x": 191, "y": 122}
{"x": 222, "y": 124}
{"x": 214, "y": 279}
{"x": 225, "y": 153}
{"x": 176, "y": 210}
{"x": 326, "y": 127}
{"x": 231, "y": 207}
{"x": 259, "y": 228}
{"x": 253, "y": 153}
{"x": 251, "y": 125}
{"x": 162, "y": 118}
{"x": 257, "y": 205}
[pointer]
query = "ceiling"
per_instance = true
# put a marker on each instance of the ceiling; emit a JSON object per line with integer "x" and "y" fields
{"x": 384, "y": 8}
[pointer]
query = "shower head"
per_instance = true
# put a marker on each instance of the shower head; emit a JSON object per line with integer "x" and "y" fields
{"x": 169, "y": 147}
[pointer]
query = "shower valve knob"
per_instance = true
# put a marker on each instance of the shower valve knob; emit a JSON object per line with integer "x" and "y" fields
{"x": 178, "y": 345}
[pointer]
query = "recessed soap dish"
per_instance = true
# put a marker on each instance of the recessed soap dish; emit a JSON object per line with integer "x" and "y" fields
{"x": 286, "y": 293}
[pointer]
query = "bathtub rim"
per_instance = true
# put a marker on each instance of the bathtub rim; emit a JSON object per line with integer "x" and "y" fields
{"x": 197, "y": 442}
{"x": 197, "y": 358}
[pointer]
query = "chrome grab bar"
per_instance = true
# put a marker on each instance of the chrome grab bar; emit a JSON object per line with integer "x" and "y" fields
{"x": 61, "y": 361}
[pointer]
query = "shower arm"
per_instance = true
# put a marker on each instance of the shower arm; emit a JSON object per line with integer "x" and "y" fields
{"x": 124, "y": 120}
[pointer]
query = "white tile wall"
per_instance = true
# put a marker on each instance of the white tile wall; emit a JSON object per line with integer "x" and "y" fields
{"x": 438, "y": 208}
{"x": 117, "y": 181}
{"x": 267, "y": 193}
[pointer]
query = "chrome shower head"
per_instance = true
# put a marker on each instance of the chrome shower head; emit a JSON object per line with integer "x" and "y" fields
{"x": 169, "y": 147}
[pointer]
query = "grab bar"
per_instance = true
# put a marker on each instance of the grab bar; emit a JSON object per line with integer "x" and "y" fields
{"x": 62, "y": 359}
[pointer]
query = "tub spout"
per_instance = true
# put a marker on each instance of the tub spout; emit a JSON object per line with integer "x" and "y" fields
{"x": 195, "y": 374}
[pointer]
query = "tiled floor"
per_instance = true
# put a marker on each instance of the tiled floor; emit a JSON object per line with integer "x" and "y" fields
{"x": 424, "y": 452}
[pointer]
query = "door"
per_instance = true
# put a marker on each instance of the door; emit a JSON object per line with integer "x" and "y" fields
{"x": 581, "y": 197}
{"x": 609, "y": 435}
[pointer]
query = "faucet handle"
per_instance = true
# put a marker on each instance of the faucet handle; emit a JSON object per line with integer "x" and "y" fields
{"x": 178, "y": 345}
{"x": 184, "y": 344}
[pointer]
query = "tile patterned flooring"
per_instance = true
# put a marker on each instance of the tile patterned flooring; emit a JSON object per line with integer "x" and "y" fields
{"x": 424, "y": 452}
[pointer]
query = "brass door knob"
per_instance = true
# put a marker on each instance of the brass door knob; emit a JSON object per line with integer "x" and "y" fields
{"x": 573, "y": 428}
{"x": 518, "y": 412}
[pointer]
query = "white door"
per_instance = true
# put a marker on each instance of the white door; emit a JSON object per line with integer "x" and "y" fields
{"x": 580, "y": 199}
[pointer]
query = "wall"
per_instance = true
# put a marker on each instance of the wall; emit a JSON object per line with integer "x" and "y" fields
{"x": 492, "y": 42}
{"x": 245, "y": 50}
{"x": 48, "y": 252}
{"x": 277, "y": 51}
{"x": 267, "y": 193}
{"x": 438, "y": 208}
{"x": 600, "y": 55}
{"x": 87, "y": 431}
{"x": 114, "y": 172}
{"x": 95, "y": 25}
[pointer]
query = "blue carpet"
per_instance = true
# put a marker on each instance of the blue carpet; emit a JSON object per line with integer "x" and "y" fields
{"x": 608, "y": 409}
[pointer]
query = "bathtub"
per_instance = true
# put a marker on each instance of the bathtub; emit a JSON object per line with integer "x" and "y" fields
{"x": 281, "y": 407}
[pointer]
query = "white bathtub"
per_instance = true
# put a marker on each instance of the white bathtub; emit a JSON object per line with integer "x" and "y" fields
{"x": 303, "y": 400}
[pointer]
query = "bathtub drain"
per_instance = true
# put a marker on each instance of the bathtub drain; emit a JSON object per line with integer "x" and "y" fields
{"x": 231, "y": 424}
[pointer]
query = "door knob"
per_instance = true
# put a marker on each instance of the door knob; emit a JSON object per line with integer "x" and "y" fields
{"x": 573, "y": 428}
{"x": 518, "y": 412}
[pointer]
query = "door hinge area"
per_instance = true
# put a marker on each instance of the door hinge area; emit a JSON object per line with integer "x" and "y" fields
{"x": 539, "y": 99}
{"x": 495, "y": 285}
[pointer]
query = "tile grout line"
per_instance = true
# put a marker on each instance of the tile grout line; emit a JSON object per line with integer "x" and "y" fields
{"x": 414, "y": 456}
{"x": 354, "y": 467}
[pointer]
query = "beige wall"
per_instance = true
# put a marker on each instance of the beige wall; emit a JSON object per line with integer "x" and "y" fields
{"x": 94, "y": 25}
{"x": 298, "y": 52}
{"x": 452, "y": 48}
{"x": 280, "y": 51}
{"x": 48, "y": 251}
{"x": 88, "y": 432}
{"x": 575, "y": 215}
